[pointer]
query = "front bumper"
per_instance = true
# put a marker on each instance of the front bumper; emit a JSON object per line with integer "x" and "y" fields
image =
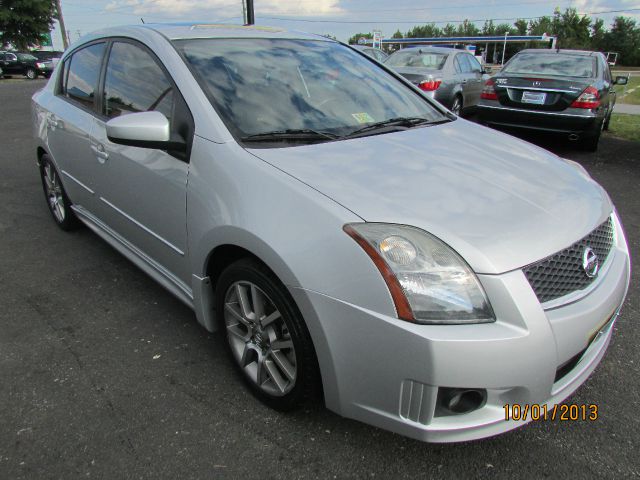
{"x": 387, "y": 372}
{"x": 570, "y": 121}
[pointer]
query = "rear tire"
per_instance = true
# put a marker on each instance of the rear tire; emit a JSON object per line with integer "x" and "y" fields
{"x": 457, "y": 105}
{"x": 266, "y": 336}
{"x": 589, "y": 142}
{"x": 57, "y": 200}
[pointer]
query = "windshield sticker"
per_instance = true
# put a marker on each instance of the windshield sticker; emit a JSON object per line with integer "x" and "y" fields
{"x": 362, "y": 117}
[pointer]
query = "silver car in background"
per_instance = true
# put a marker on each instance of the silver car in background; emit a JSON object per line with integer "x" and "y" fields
{"x": 416, "y": 270}
{"x": 453, "y": 77}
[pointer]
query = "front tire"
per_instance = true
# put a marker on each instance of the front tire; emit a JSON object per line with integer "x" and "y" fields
{"x": 31, "y": 74}
{"x": 57, "y": 200}
{"x": 266, "y": 335}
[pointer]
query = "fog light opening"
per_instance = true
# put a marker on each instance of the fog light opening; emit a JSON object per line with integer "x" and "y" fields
{"x": 458, "y": 401}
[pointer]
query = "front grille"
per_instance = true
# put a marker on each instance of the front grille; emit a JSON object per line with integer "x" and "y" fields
{"x": 562, "y": 273}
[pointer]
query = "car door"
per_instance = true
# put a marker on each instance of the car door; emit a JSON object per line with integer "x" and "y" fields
{"x": 463, "y": 77}
{"x": 11, "y": 65}
{"x": 69, "y": 121}
{"x": 608, "y": 92}
{"x": 142, "y": 191}
{"x": 475, "y": 82}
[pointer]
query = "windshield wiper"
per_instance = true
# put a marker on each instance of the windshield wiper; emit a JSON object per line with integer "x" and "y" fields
{"x": 406, "y": 122}
{"x": 290, "y": 134}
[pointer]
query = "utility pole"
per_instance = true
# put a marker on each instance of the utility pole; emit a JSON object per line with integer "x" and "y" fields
{"x": 249, "y": 18}
{"x": 63, "y": 30}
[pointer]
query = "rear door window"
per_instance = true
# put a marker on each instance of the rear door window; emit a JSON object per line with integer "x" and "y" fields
{"x": 81, "y": 82}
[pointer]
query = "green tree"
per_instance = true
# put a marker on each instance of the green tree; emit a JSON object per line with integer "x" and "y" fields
{"x": 598, "y": 33}
{"x": 467, "y": 29}
{"x": 425, "y": 31}
{"x": 354, "y": 39}
{"x": 624, "y": 38}
{"x": 398, "y": 34}
{"x": 23, "y": 22}
{"x": 521, "y": 26}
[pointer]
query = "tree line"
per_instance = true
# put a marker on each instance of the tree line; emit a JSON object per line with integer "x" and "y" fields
{"x": 573, "y": 31}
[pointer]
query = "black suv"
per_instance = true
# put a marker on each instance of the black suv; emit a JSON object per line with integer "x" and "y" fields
{"x": 18, "y": 63}
{"x": 564, "y": 91}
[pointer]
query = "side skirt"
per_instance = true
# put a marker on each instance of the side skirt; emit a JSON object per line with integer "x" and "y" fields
{"x": 152, "y": 268}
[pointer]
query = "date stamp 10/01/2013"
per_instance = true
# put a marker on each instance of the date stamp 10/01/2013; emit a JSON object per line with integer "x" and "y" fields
{"x": 562, "y": 412}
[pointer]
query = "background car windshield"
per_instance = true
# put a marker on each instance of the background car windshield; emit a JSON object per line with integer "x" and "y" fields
{"x": 419, "y": 59}
{"x": 25, "y": 57}
{"x": 552, "y": 64}
{"x": 265, "y": 85}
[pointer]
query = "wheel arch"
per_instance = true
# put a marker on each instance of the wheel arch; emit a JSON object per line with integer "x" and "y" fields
{"x": 248, "y": 245}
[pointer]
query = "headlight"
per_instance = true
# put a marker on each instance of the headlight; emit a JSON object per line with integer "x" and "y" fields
{"x": 40, "y": 65}
{"x": 429, "y": 282}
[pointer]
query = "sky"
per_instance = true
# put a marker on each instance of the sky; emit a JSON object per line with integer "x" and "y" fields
{"x": 341, "y": 18}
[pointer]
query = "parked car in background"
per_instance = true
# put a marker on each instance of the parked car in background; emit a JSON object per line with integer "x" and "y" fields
{"x": 376, "y": 53}
{"x": 19, "y": 63}
{"x": 349, "y": 237}
{"x": 562, "y": 91}
{"x": 452, "y": 77}
{"x": 48, "y": 55}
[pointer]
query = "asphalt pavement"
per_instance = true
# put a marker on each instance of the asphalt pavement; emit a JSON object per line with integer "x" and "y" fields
{"x": 104, "y": 374}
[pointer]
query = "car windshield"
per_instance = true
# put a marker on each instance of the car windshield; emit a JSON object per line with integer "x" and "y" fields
{"x": 417, "y": 58}
{"x": 25, "y": 57}
{"x": 565, "y": 65}
{"x": 261, "y": 86}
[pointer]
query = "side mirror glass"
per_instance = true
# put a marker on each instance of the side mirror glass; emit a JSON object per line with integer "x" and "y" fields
{"x": 620, "y": 80}
{"x": 143, "y": 129}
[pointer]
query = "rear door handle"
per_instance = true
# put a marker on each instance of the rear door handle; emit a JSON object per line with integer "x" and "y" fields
{"x": 100, "y": 152}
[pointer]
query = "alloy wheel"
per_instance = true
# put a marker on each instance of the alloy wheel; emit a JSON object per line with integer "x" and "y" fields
{"x": 54, "y": 192}
{"x": 259, "y": 339}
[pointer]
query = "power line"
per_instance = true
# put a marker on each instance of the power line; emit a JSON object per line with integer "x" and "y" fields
{"x": 435, "y": 21}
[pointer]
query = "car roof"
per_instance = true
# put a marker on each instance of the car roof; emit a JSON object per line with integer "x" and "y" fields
{"x": 550, "y": 51}
{"x": 178, "y": 31}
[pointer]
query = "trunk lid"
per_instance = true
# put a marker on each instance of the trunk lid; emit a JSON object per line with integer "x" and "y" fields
{"x": 416, "y": 75}
{"x": 538, "y": 92}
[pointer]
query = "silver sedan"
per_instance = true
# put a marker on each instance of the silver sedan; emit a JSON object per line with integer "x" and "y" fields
{"x": 416, "y": 270}
{"x": 453, "y": 77}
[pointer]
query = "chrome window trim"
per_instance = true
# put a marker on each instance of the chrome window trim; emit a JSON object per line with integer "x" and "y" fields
{"x": 560, "y": 90}
{"x": 536, "y": 111}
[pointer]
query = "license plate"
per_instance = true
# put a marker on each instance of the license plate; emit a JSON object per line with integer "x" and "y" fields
{"x": 537, "y": 98}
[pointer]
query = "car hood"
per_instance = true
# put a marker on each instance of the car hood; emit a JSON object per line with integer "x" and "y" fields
{"x": 498, "y": 201}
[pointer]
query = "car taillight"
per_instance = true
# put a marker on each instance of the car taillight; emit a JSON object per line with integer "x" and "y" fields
{"x": 429, "y": 85}
{"x": 589, "y": 98}
{"x": 488, "y": 91}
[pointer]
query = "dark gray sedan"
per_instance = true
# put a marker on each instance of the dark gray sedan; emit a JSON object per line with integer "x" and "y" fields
{"x": 452, "y": 77}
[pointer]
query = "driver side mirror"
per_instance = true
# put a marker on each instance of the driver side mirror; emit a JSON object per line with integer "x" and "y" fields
{"x": 143, "y": 129}
{"x": 620, "y": 80}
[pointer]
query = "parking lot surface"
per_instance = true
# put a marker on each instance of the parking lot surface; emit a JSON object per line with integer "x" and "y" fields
{"x": 104, "y": 374}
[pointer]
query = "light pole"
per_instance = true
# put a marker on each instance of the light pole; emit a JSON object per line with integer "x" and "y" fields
{"x": 505, "y": 46}
{"x": 65, "y": 34}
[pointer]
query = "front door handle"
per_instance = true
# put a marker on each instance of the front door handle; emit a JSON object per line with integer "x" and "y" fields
{"x": 100, "y": 152}
{"x": 52, "y": 122}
